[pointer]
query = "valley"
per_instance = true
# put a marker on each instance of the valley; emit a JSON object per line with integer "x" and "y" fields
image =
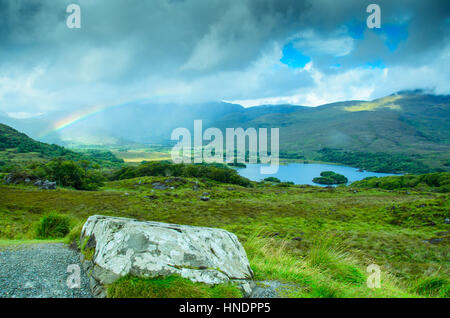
{"x": 404, "y": 132}
{"x": 175, "y": 150}
{"x": 318, "y": 240}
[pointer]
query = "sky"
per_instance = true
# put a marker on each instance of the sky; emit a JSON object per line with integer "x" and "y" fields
{"x": 250, "y": 52}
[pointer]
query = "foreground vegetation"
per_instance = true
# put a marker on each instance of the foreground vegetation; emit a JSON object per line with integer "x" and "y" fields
{"x": 317, "y": 240}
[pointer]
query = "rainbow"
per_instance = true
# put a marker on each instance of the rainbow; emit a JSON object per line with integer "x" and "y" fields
{"x": 82, "y": 114}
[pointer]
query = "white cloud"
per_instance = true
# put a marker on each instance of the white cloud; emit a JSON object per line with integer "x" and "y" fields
{"x": 23, "y": 115}
{"x": 199, "y": 51}
{"x": 20, "y": 92}
{"x": 364, "y": 83}
{"x": 337, "y": 43}
{"x": 100, "y": 64}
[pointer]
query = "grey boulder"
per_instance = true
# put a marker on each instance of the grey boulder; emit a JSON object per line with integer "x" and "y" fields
{"x": 45, "y": 185}
{"x": 151, "y": 249}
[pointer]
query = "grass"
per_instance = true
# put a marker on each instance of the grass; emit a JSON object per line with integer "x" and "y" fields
{"x": 433, "y": 287}
{"x": 53, "y": 225}
{"x": 169, "y": 287}
{"x": 30, "y": 242}
{"x": 13, "y": 157}
{"x": 88, "y": 253}
{"x": 324, "y": 272}
{"x": 386, "y": 102}
{"x": 74, "y": 234}
{"x": 137, "y": 155}
{"x": 317, "y": 239}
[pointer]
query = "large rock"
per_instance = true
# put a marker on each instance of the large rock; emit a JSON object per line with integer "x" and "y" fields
{"x": 46, "y": 185}
{"x": 151, "y": 249}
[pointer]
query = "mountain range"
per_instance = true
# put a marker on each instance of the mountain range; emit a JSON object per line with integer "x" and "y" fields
{"x": 410, "y": 123}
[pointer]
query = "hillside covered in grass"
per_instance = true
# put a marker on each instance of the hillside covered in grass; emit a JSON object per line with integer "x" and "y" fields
{"x": 405, "y": 132}
{"x": 17, "y": 149}
{"x": 317, "y": 240}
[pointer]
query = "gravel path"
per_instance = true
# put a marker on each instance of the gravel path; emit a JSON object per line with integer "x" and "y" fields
{"x": 39, "y": 271}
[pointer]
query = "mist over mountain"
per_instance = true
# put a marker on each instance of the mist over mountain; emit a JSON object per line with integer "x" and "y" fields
{"x": 407, "y": 122}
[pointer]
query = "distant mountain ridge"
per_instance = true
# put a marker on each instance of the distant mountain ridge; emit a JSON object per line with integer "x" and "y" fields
{"x": 411, "y": 123}
{"x": 398, "y": 123}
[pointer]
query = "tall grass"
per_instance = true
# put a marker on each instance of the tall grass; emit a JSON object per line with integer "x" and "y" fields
{"x": 324, "y": 271}
{"x": 53, "y": 225}
{"x": 433, "y": 286}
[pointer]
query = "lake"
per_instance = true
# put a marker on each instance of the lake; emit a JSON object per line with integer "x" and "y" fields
{"x": 303, "y": 173}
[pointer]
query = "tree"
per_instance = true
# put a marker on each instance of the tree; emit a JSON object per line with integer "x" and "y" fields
{"x": 330, "y": 177}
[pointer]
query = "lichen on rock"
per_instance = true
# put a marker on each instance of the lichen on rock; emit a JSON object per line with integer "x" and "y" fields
{"x": 152, "y": 249}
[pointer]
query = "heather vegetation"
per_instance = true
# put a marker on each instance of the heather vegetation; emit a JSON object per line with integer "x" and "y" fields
{"x": 317, "y": 241}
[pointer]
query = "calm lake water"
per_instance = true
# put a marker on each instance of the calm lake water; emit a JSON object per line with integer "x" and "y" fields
{"x": 301, "y": 173}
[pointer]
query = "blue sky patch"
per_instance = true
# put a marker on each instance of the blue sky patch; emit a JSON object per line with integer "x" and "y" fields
{"x": 394, "y": 34}
{"x": 376, "y": 64}
{"x": 356, "y": 29}
{"x": 293, "y": 58}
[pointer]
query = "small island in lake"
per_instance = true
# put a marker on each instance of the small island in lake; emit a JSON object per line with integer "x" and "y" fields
{"x": 272, "y": 179}
{"x": 330, "y": 177}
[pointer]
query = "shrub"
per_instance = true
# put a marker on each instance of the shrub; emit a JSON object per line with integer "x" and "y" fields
{"x": 215, "y": 172}
{"x": 285, "y": 184}
{"x": 433, "y": 287}
{"x": 53, "y": 225}
{"x": 88, "y": 252}
{"x": 330, "y": 177}
{"x": 74, "y": 234}
{"x": 80, "y": 176}
{"x": 272, "y": 179}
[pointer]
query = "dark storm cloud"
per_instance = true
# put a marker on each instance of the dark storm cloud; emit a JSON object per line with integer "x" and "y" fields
{"x": 198, "y": 50}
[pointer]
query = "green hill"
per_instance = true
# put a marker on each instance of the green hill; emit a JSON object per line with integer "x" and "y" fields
{"x": 17, "y": 148}
{"x": 410, "y": 130}
{"x": 403, "y": 132}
